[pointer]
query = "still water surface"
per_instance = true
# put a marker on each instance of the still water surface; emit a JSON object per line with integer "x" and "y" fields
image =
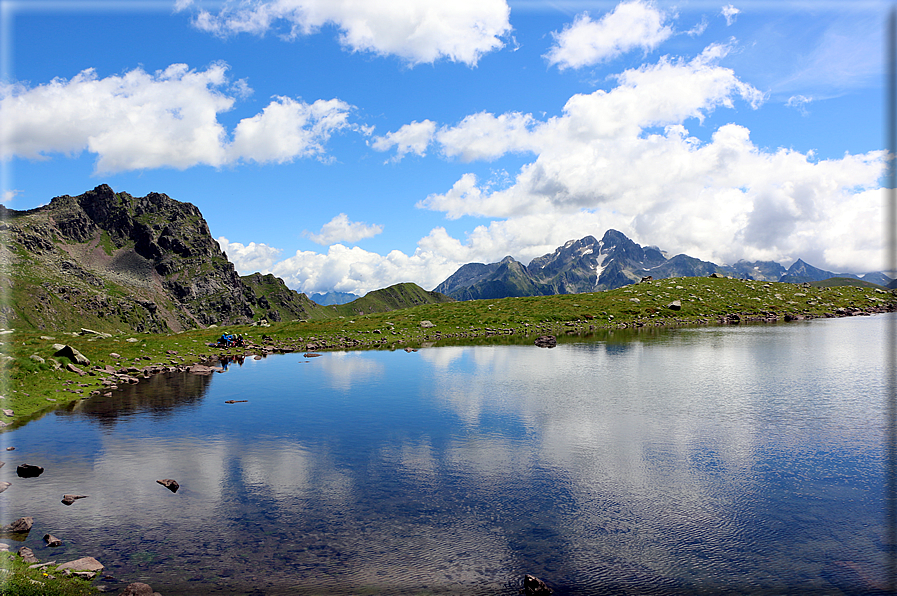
{"x": 716, "y": 460}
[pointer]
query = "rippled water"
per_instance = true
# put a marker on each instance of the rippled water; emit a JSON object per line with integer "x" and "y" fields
{"x": 716, "y": 460}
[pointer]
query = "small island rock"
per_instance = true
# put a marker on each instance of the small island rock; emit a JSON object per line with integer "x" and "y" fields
{"x": 170, "y": 484}
{"x": 29, "y": 471}
{"x": 52, "y": 540}
{"x": 533, "y": 586}
{"x": 23, "y": 524}
{"x": 69, "y": 499}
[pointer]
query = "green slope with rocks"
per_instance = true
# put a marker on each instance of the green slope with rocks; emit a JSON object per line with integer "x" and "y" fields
{"x": 113, "y": 262}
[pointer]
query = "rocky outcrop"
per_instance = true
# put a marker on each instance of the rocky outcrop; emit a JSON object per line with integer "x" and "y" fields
{"x": 106, "y": 259}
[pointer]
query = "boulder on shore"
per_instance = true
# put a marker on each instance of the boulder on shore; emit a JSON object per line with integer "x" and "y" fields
{"x": 82, "y": 564}
{"x": 546, "y": 341}
{"x": 27, "y": 555}
{"x": 71, "y": 353}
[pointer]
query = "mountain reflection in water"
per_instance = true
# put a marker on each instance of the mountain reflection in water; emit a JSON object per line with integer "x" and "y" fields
{"x": 719, "y": 460}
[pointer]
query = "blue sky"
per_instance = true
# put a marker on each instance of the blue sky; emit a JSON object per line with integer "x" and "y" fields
{"x": 349, "y": 145}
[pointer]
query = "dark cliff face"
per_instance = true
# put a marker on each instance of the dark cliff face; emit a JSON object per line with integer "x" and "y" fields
{"x": 150, "y": 260}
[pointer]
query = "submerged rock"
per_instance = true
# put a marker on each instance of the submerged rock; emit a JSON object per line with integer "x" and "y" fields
{"x": 137, "y": 589}
{"x": 27, "y": 555}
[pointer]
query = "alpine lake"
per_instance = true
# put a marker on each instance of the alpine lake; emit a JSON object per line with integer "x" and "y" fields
{"x": 716, "y": 460}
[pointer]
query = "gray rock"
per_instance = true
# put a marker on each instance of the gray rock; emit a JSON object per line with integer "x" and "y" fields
{"x": 426, "y": 324}
{"x": 71, "y": 367}
{"x": 95, "y": 333}
{"x": 37, "y": 358}
{"x": 23, "y": 524}
{"x": 200, "y": 369}
{"x": 4, "y": 486}
{"x": 9, "y": 413}
{"x": 82, "y": 564}
{"x": 546, "y": 341}
{"x": 114, "y": 355}
{"x": 52, "y": 540}
{"x": 675, "y": 305}
{"x": 71, "y": 353}
{"x": 69, "y": 499}
{"x": 27, "y": 555}
{"x": 137, "y": 589}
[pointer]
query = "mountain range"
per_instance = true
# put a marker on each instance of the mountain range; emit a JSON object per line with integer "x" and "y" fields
{"x": 590, "y": 265}
{"x": 111, "y": 261}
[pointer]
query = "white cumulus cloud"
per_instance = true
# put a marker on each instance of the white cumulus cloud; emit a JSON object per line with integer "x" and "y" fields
{"x": 417, "y": 31}
{"x": 249, "y": 258}
{"x": 636, "y": 24}
{"x": 624, "y": 158}
{"x": 287, "y": 129}
{"x": 345, "y": 269}
{"x": 340, "y": 229}
{"x": 169, "y": 118}
{"x": 410, "y": 138}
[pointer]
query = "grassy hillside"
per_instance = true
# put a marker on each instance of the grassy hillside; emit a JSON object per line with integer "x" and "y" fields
{"x": 838, "y": 282}
{"x": 394, "y": 297}
{"x": 33, "y": 388}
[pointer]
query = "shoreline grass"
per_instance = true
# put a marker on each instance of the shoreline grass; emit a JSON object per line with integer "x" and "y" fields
{"x": 32, "y": 388}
